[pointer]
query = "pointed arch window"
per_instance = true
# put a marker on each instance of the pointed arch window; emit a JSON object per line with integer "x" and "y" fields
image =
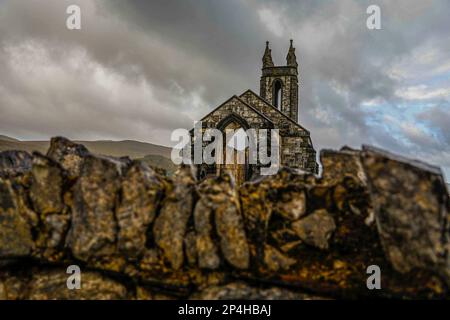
{"x": 277, "y": 93}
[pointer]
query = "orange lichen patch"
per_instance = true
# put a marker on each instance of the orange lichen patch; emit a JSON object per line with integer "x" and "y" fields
{"x": 329, "y": 273}
{"x": 339, "y": 264}
{"x": 112, "y": 263}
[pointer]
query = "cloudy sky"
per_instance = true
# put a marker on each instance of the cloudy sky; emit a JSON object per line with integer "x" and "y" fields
{"x": 139, "y": 69}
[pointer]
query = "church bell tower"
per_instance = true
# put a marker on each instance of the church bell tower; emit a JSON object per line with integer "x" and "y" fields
{"x": 279, "y": 84}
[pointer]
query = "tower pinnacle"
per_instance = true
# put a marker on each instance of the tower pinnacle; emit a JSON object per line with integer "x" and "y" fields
{"x": 291, "y": 58}
{"x": 267, "y": 57}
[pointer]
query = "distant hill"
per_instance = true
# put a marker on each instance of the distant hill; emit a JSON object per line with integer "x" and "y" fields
{"x": 153, "y": 154}
{"x": 158, "y": 161}
{"x": 6, "y": 138}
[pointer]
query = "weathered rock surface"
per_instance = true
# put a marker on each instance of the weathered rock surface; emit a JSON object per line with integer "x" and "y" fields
{"x": 68, "y": 154}
{"x": 14, "y": 162}
{"x": 139, "y": 235}
{"x": 275, "y": 260}
{"x": 46, "y": 189}
{"x": 15, "y": 233}
{"x": 93, "y": 230}
{"x": 205, "y": 246}
{"x": 51, "y": 284}
{"x": 141, "y": 192}
{"x": 411, "y": 211}
{"x": 243, "y": 291}
{"x": 315, "y": 229}
{"x": 229, "y": 223}
{"x": 217, "y": 216}
{"x": 171, "y": 224}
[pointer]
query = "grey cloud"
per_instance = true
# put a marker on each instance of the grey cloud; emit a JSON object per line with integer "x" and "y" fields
{"x": 438, "y": 118}
{"x": 148, "y": 67}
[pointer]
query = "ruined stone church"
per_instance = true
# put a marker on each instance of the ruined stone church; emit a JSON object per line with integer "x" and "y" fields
{"x": 276, "y": 107}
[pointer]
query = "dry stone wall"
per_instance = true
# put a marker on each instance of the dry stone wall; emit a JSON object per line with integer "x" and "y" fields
{"x": 136, "y": 234}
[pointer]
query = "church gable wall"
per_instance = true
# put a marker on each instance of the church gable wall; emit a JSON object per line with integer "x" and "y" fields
{"x": 287, "y": 127}
{"x": 236, "y": 107}
{"x": 298, "y": 153}
{"x": 296, "y": 149}
{"x": 238, "y": 111}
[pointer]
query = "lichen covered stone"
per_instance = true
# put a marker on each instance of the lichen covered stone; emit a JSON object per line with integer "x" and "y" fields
{"x": 68, "y": 154}
{"x": 93, "y": 230}
{"x": 412, "y": 211}
{"x": 171, "y": 224}
{"x": 141, "y": 192}
{"x": 315, "y": 229}
{"x": 15, "y": 233}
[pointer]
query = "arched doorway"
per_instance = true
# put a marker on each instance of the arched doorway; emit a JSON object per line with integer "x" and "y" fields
{"x": 236, "y": 141}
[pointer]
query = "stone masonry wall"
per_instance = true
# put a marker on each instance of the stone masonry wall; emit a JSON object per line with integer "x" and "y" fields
{"x": 288, "y": 76}
{"x": 138, "y": 235}
{"x": 296, "y": 147}
{"x": 236, "y": 106}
